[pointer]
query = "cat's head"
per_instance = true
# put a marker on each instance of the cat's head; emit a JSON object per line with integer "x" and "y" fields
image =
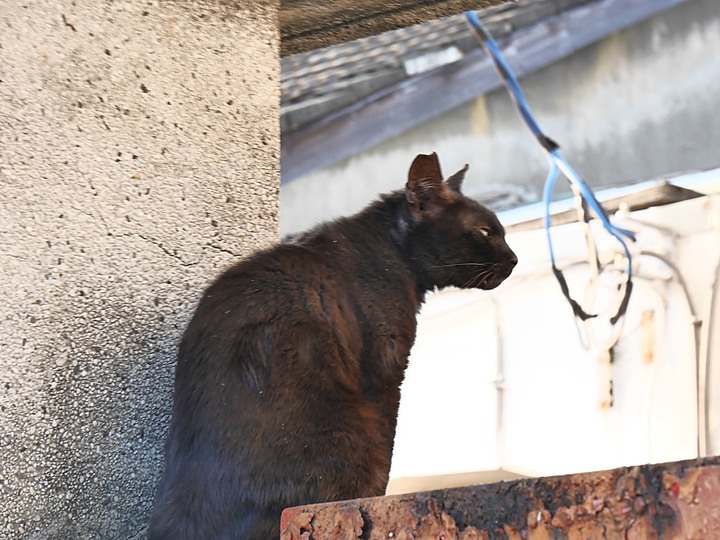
{"x": 452, "y": 240}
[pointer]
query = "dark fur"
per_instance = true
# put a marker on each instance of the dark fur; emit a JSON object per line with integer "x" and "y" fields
{"x": 288, "y": 376}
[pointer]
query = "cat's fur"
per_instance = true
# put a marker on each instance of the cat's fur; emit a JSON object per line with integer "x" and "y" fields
{"x": 288, "y": 376}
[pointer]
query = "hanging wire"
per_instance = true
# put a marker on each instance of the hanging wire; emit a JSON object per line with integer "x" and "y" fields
{"x": 557, "y": 164}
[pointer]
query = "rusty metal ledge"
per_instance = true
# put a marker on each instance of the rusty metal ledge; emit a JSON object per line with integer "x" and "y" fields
{"x": 667, "y": 501}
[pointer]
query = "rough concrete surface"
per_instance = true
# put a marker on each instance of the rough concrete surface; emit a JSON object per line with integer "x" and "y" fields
{"x": 139, "y": 149}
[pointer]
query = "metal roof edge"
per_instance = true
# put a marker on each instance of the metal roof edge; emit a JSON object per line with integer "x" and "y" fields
{"x": 652, "y": 192}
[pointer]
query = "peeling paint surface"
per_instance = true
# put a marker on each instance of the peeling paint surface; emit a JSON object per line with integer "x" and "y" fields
{"x": 666, "y": 502}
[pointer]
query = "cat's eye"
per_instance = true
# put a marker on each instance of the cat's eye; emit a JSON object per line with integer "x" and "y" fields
{"x": 485, "y": 231}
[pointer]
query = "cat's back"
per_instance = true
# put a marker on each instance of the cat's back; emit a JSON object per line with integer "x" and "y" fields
{"x": 266, "y": 284}
{"x": 266, "y": 303}
{"x": 288, "y": 278}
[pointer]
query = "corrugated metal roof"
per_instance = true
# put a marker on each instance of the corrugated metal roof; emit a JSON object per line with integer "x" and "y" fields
{"x": 336, "y": 105}
{"x": 316, "y": 83}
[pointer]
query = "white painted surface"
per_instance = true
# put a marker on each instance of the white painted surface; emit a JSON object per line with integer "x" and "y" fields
{"x": 432, "y": 60}
{"x": 554, "y": 417}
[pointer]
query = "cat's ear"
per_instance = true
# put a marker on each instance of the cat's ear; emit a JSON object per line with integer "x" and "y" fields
{"x": 456, "y": 180}
{"x": 425, "y": 189}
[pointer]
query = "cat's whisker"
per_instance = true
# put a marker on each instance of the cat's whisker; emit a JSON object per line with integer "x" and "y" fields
{"x": 481, "y": 276}
{"x": 482, "y": 264}
{"x": 477, "y": 278}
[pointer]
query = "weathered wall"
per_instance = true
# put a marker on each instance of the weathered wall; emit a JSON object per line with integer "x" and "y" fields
{"x": 139, "y": 152}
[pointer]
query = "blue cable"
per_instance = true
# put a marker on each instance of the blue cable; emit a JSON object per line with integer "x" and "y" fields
{"x": 506, "y": 73}
{"x": 557, "y": 164}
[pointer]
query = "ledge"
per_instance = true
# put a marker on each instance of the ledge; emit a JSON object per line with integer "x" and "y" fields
{"x": 665, "y": 501}
{"x": 306, "y": 25}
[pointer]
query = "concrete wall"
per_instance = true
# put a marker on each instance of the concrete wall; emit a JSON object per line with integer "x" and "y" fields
{"x": 139, "y": 153}
{"x": 640, "y": 103}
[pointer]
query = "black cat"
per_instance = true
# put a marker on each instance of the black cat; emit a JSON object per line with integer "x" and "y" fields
{"x": 288, "y": 376}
